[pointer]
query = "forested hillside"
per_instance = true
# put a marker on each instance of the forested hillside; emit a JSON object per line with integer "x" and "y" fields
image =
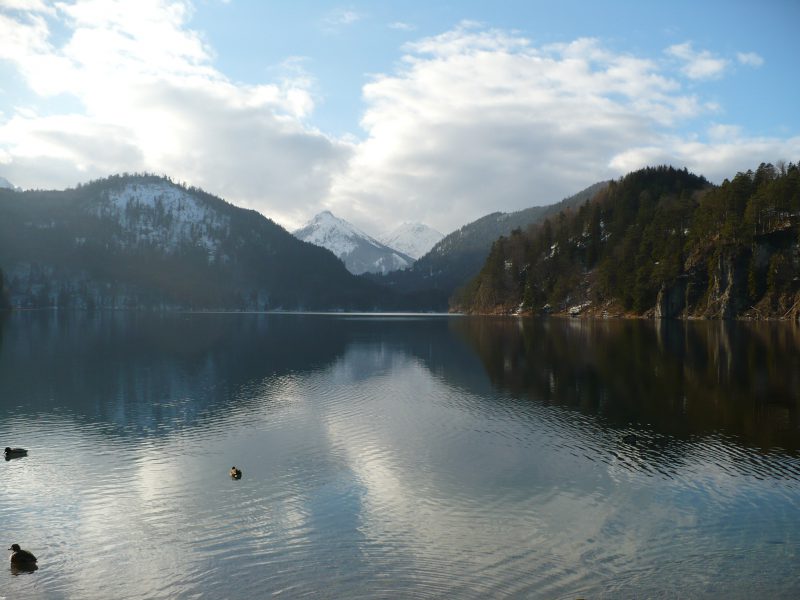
{"x": 458, "y": 257}
{"x": 661, "y": 242}
{"x": 137, "y": 241}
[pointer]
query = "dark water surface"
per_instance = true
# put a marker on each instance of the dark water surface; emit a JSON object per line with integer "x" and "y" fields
{"x": 389, "y": 457}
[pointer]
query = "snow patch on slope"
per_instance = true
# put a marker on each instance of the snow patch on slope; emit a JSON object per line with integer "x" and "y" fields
{"x": 164, "y": 216}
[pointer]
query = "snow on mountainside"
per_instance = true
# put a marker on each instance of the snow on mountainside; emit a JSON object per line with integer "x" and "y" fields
{"x": 333, "y": 233}
{"x": 413, "y": 239}
{"x": 164, "y": 216}
{"x": 359, "y": 252}
{"x": 132, "y": 241}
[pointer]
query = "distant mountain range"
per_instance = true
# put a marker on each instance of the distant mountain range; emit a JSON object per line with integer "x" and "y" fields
{"x": 6, "y": 184}
{"x": 659, "y": 242}
{"x": 359, "y": 252}
{"x": 459, "y": 256}
{"x": 143, "y": 241}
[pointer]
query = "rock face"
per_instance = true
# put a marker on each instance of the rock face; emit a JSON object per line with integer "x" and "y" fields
{"x": 727, "y": 294}
{"x": 726, "y": 285}
{"x": 671, "y": 300}
{"x": 723, "y": 289}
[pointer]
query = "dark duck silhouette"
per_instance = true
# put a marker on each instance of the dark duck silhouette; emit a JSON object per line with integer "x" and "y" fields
{"x": 22, "y": 558}
{"x": 15, "y": 453}
{"x": 236, "y": 473}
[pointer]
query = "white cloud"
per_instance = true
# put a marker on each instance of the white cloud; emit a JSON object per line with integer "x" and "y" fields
{"x": 340, "y": 18}
{"x": 725, "y": 154}
{"x": 751, "y": 59}
{"x": 473, "y": 120}
{"x": 153, "y": 101}
{"x": 29, "y": 5}
{"x": 480, "y": 120}
{"x": 721, "y": 132}
{"x": 477, "y": 120}
{"x": 401, "y": 26}
{"x": 698, "y": 64}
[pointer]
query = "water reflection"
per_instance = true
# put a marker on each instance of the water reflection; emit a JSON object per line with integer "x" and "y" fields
{"x": 151, "y": 373}
{"x": 402, "y": 457}
{"x": 21, "y": 569}
{"x": 738, "y": 381}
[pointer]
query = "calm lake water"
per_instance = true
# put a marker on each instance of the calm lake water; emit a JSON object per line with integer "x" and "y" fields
{"x": 388, "y": 457}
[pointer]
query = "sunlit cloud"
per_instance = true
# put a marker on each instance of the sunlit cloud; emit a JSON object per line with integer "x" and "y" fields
{"x": 698, "y": 64}
{"x": 478, "y": 119}
{"x": 153, "y": 101}
{"x": 725, "y": 153}
{"x": 469, "y": 121}
{"x": 481, "y": 118}
{"x": 29, "y": 5}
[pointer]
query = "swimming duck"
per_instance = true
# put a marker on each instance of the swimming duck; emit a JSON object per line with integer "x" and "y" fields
{"x": 20, "y": 557}
{"x": 236, "y": 473}
{"x": 15, "y": 452}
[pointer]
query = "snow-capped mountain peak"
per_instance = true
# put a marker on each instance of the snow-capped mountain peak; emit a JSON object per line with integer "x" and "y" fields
{"x": 413, "y": 239}
{"x": 333, "y": 233}
{"x": 359, "y": 251}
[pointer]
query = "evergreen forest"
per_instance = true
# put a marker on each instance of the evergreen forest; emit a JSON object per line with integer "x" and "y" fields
{"x": 658, "y": 242}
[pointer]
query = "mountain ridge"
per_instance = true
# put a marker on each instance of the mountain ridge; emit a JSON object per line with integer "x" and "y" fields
{"x": 359, "y": 251}
{"x": 459, "y": 255}
{"x": 132, "y": 241}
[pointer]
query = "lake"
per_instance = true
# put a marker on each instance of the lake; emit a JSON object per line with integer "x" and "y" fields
{"x": 399, "y": 456}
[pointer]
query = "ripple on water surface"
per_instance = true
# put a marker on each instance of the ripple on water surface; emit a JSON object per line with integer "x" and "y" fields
{"x": 379, "y": 472}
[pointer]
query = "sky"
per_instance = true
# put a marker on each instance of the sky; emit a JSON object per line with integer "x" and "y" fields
{"x": 391, "y": 112}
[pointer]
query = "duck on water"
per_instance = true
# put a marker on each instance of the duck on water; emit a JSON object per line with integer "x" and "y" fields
{"x": 22, "y": 558}
{"x": 15, "y": 453}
